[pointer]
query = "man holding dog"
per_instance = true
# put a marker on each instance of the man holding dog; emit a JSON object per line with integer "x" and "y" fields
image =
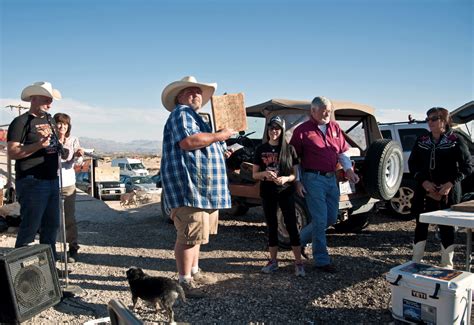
{"x": 320, "y": 144}
{"x": 31, "y": 142}
{"x": 194, "y": 175}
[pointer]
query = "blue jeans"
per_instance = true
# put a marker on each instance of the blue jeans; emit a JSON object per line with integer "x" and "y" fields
{"x": 39, "y": 210}
{"x": 322, "y": 199}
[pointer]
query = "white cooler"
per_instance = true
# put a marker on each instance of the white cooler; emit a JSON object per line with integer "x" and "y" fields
{"x": 428, "y": 294}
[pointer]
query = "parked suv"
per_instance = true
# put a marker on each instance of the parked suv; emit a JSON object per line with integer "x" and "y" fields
{"x": 378, "y": 162}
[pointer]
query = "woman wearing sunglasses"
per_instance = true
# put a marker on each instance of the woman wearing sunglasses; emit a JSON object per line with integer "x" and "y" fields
{"x": 275, "y": 166}
{"x": 439, "y": 162}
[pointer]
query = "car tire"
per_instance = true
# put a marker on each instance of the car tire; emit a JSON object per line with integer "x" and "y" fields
{"x": 302, "y": 219}
{"x": 237, "y": 209}
{"x": 400, "y": 205}
{"x": 354, "y": 224}
{"x": 383, "y": 169}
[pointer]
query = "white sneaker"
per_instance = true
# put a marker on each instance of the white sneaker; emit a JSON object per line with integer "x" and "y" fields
{"x": 299, "y": 270}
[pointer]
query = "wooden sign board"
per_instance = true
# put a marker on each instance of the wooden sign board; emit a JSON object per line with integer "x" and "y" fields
{"x": 107, "y": 174}
{"x": 228, "y": 111}
{"x": 467, "y": 206}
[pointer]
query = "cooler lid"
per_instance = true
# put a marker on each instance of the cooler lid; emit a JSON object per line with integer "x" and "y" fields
{"x": 425, "y": 274}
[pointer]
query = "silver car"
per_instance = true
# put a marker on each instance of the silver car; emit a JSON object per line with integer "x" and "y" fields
{"x": 140, "y": 184}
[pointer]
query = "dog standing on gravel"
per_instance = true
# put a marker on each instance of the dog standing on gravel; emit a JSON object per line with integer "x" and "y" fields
{"x": 128, "y": 199}
{"x": 155, "y": 290}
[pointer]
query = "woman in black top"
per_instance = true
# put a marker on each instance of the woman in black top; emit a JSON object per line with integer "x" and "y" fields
{"x": 274, "y": 166}
{"x": 438, "y": 162}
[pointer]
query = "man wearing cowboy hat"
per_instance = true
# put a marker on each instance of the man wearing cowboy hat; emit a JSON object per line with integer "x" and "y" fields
{"x": 194, "y": 174}
{"x": 31, "y": 142}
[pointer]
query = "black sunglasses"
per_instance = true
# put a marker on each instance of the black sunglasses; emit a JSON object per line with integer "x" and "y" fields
{"x": 432, "y": 119}
{"x": 274, "y": 127}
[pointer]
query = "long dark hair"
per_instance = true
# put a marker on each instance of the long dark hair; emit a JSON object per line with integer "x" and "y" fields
{"x": 285, "y": 158}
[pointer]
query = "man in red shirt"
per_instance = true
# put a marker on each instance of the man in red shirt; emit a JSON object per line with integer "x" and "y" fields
{"x": 320, "y": 144}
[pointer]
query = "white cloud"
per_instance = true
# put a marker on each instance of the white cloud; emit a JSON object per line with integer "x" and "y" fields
{"x": 111, "y": 123}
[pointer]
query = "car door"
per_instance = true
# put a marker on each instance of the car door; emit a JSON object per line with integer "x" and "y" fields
{"x": 407, "y": 138}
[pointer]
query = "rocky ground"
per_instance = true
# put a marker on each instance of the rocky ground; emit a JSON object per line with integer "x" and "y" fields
{"x": 113, "y": 239}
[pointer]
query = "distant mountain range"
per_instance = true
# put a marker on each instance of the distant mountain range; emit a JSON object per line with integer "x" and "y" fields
{"x": 102, "y": 146}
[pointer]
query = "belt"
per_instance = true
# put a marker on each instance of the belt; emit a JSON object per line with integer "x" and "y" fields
{"x": 314, "y": 171}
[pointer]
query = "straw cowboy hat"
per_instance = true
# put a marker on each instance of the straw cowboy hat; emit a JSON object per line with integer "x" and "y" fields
{"x": 168, "y": 96}
{"x": 40, "y": 88}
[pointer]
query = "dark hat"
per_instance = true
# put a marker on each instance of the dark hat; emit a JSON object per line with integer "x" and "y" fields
{"x": 277, "y": 120}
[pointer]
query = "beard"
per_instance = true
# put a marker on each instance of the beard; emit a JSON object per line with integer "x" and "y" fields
{"x": 195, "y": 104}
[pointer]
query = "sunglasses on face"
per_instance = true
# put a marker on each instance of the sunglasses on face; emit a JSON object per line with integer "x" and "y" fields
{"x": 274, "y": 127}
{"x": 432, "y": 119}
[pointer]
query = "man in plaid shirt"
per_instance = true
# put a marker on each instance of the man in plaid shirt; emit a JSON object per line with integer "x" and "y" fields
{"x": 193, "y": 175}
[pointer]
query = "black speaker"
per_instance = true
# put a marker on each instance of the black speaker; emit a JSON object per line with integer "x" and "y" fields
{"x": 28, "y": 283}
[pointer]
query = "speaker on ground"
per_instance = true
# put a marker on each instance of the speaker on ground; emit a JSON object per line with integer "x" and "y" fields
{"x": 28, "y": 283}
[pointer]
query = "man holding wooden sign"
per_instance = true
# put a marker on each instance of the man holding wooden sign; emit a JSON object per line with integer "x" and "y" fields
{"x": 194, "y": 177}
{"x": 229, "y": 112}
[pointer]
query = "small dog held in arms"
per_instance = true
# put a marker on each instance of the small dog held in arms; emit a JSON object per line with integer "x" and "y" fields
{"x": 127, "y": 199}
{"x": 155, "y": 290}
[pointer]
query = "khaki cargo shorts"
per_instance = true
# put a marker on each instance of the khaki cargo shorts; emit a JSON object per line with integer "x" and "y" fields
{"x": 194, "y": 225}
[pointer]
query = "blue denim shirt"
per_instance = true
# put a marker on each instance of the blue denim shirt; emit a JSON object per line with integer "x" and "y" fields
{"x": 195, "y": 178}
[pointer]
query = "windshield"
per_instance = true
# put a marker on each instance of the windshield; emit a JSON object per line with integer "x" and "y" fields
{"x": 255, "y": 125}
{"x": 136, "y": 166}
{"x": 142, "y": 180}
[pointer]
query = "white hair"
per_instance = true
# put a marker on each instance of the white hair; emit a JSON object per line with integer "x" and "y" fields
{"x": 321, "y": 102}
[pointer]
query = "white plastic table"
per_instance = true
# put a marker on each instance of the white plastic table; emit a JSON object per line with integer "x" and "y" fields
{"x": 449, "y": 217}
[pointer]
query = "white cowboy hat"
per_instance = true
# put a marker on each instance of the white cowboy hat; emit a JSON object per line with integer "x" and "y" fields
{"x": 168, "y": 96}
{"x": 40, "y": 88}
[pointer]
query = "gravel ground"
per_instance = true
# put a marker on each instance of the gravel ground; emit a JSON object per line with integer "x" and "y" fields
{"x": 113, "y": 239}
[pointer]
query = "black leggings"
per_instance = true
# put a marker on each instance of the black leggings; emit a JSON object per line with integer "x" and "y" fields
{"x": 287, "y": 205}
{"x": 421, "y": 230}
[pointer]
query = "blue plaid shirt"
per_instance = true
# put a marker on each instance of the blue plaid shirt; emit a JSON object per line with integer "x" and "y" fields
{"x": 195, "y": 178}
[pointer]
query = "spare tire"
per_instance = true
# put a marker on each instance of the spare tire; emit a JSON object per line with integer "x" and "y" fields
{"x": 383, "y": 169}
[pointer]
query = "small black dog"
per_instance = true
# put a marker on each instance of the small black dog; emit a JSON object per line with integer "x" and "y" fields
{"x": 154, "y": 289}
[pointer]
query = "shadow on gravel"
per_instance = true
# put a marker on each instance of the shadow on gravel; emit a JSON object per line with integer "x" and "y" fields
{"x": 95, "y": 286}
{"x": 282, "y": 298}
{"x": 77, "y": 306}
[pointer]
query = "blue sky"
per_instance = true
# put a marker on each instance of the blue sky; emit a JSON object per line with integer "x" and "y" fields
{"x": 112, "y": 59}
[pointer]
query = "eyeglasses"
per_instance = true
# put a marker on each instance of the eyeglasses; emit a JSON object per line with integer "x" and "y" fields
{"x": 273, "y": 128}
{"x": 432, "y": 119}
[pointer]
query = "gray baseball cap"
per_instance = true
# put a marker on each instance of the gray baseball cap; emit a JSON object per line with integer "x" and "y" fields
{"x": 277, "y": 120}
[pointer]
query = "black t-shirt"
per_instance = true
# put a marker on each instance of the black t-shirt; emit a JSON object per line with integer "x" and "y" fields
{"x": 267, "y": 158}
{"x": 42, "y": 164}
